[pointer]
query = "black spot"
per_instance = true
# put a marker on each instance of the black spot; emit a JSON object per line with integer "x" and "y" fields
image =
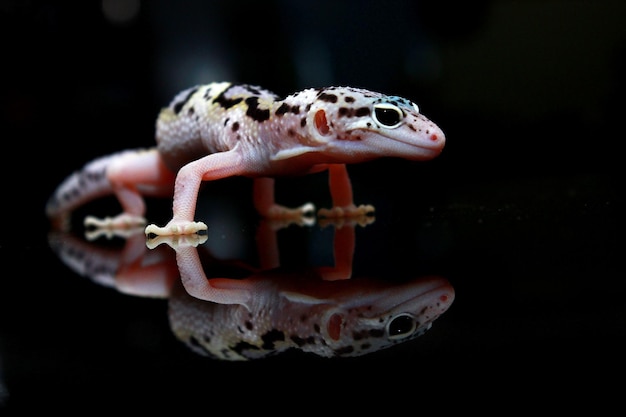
{"x": 349, "y": 99}
{"x": 235, "y": 126}
{"x": 251, "y": 88}
{"x": 298, "y": 340}
{"x": 284, "y": 108}
{"x": 191, "y": 111}
{"x": 249, "y": 325}
{"x": 257, "y": 114}
{"x": 331, "y": 98}
{"x": 345, "y": 111}
{"x": 194, "y": 342}
{"x": 224, "y": 102}
{"x": 359, "y": 335}
{"x": 346, "y": 350}
{"x": 272, "y": 336}
{"x": 377, "y": 333}
{"x": 179, "y": 106}
{"x": 303, "y": 122}
{"x": 362, "y": 111}
{"x": 241, "y": 348}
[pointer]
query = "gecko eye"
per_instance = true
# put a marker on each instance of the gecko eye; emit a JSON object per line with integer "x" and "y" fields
{"x": 388, "y": 115}
{"x": 401, "y": 326}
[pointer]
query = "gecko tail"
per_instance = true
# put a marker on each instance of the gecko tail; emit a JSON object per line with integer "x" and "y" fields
{"x": 80, "y": 187}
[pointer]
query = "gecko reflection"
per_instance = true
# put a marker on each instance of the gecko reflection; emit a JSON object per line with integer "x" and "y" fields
{"x": 322, "y": 310}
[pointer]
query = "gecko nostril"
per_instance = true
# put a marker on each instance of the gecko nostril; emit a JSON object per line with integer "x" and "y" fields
{"x": 434, "y": 137}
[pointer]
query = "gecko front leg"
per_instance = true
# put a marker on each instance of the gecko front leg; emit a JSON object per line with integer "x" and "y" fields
{"x": 343, "y": 202}
{"x": 266, "y": 206}
{"x": 187, "y": 185}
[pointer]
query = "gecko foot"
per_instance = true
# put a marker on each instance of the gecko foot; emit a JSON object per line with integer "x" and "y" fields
{"x": 122, "y": 225}
{"x": 176, "y": 227}
{"x": 121, "y": 221}
{"x": 347, "y": 215}
{"x": 283, "y": 216}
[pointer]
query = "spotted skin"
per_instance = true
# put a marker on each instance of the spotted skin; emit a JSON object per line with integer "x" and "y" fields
{"x": 280, "y": 310}
{"x": 219, "y": 130}
{"x": 344, "y": 324}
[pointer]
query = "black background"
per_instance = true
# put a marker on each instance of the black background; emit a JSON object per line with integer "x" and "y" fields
{"x": 520, "y": 212}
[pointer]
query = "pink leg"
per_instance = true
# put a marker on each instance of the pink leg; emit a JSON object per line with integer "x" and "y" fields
{"x": 341, "y": 193}
{"x": 267, "y": 246}
{"x": 187, "y": 185}
{"x": 265, "y": 204}
{"x": 343, "y": 249}
{"x": 263, "y": 195}
{"x": 131, "y": 175}
{"x": 143, "y": 272}
{"x": 217, "y": 290}
{"x": 340, "y": 185}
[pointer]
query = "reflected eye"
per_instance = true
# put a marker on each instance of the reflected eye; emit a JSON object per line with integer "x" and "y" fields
{"x": 388, "y": 115}
{"x": 401, "y": 326}
{"x": 417, "y": 109}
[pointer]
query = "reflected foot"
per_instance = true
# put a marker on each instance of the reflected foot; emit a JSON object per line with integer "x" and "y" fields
{"x": 176, "y": 227}
{"x": 282, "y": 216}
{"x": 177, "y": 241}
{"x": 351, "y": 215}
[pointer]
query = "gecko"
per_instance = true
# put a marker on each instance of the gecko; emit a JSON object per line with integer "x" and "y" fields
{"x": 270, "y": 309}
{"x": 222, "y": 129}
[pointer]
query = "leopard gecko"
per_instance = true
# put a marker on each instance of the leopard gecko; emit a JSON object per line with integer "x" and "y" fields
{"x": 218, "y": 130}
{"x": 271, "y": 309}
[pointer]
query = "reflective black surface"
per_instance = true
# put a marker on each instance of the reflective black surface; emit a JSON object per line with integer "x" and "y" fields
{"x": 521, "y": 213}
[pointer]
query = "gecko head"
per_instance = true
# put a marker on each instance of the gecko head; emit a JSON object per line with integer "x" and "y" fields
{"x": 379, "y": 315}
{"x": 364, "y": 124}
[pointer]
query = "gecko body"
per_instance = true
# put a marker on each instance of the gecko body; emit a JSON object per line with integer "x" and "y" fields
{"x": 270, "y": 309}
{"x": 219, "y": 130}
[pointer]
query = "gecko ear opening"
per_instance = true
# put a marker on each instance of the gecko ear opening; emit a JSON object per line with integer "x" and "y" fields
{"x": 321, "y": 123}
{"x": 333, "y": 327}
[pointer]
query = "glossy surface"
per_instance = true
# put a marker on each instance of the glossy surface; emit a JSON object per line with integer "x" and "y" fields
{"x": 522, "y": 213}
